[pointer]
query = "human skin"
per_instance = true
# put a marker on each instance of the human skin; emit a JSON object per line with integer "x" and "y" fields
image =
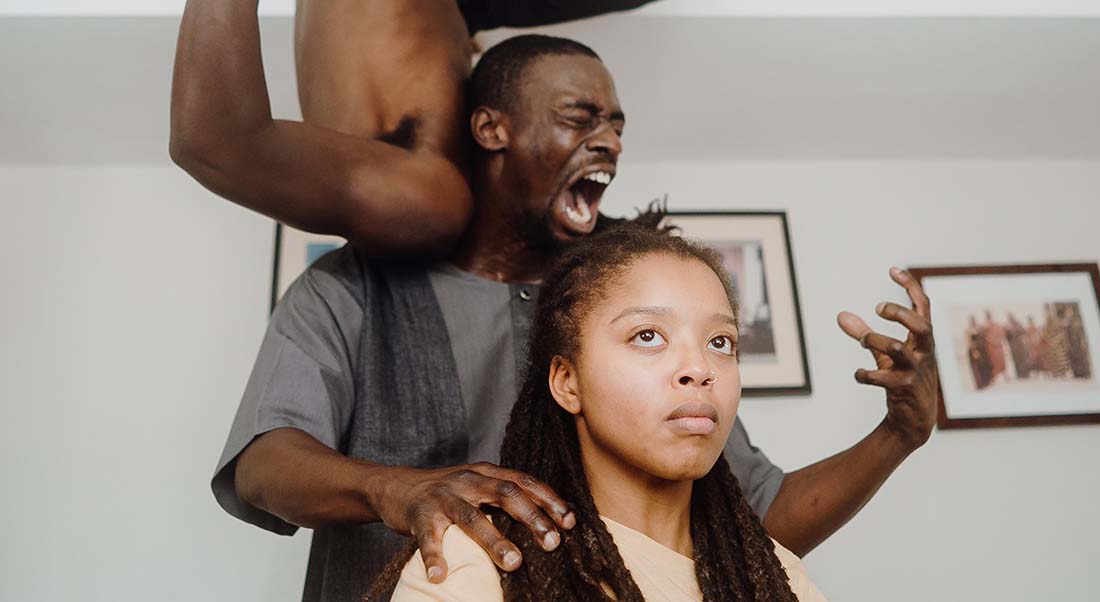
{"x": 375, "y": 153}
{"x": 363, "y": 66}
{"x": 566, "y": 124}
{"x": 812, "y": 503}
{"x": 815, "y": 501}
{"x": 654, "y": 391}
{"x": 380, "y": 155}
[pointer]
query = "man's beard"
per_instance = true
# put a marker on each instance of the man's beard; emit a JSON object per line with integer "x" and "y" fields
{"x": 536, "y": 232}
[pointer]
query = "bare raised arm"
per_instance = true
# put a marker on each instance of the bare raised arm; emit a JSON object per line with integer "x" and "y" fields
{"x": 384, "y": 198}
{"x": 815, "y": 501}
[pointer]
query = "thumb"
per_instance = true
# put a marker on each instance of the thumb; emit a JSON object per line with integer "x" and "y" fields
{"x": 853, "y": 325}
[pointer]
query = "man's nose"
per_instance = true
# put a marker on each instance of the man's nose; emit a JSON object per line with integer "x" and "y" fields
{"x": 606, "y": 141}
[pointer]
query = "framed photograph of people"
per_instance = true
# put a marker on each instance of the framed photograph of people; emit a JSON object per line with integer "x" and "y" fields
{"x": 295, "y": 251}
{"x": 756, "y": 251}
{"x": 1016, "y": 345}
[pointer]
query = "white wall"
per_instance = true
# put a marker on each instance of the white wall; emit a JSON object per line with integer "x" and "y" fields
{"x": 133, "y": 305}
{"x": 134, "y": 302}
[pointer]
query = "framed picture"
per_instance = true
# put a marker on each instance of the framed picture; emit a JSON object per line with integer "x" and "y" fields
{"x": 756, "y": 251}
{"x": 295, "y": 251}
{"x": 1016, "y": 345}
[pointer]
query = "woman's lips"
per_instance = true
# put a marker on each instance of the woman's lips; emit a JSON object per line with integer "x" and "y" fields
{"x": 693, "y": 425}
{"x": 694, "y": 418}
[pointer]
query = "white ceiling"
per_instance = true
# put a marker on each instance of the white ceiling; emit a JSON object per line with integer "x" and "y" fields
{"x": 705, "y": 8}
{"x": 95, "y": 90}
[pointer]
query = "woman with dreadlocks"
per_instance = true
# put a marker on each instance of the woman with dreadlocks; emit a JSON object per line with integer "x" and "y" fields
{"x": 632, "y": 390}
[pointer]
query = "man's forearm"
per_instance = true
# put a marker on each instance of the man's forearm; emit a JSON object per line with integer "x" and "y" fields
{"x": 815, "y": 501}
{"x": 292, "y": 475}
{"x": 297, "y": 478}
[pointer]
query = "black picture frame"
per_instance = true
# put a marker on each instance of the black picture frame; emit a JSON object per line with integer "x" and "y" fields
{"x": 774, "y": 361}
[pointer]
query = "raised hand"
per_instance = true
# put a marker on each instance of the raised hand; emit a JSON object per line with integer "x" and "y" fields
{"x": 423, "y": 503}
{"x": 907, "y": 370}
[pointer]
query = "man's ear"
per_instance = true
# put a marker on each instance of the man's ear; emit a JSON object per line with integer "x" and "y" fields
{"x": 490, "y": 128}
{"x": 563, "y": 385}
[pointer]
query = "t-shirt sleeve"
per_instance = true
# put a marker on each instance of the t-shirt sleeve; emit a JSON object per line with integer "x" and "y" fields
{"x": 472, "y": 576}
{"x": 303, "y": 377}
{"x": 759, "y": 478}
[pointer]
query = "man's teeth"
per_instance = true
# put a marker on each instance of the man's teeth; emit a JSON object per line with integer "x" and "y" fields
{"x": 581, "y": 214}
{"x": 599, "y": 177}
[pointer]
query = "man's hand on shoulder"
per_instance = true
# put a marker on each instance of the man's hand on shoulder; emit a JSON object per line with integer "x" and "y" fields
{"x": 907, "y": 370}
{"x": 424, "y": 502}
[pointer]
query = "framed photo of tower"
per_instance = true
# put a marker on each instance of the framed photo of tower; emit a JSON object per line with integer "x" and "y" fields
{"x": 1016, "y": 345}
{"x": 756, "y": 252}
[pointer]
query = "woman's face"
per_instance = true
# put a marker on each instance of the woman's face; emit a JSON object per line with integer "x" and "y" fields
{"x": 655, "y": 386}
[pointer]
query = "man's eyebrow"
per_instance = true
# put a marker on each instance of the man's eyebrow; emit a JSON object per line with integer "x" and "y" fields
{"x": 594, "y": 109}
{"x": 648, "y": 310}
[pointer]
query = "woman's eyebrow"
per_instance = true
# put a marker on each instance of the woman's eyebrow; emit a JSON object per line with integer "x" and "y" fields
{"x": 657, "y": 310}
{"x": 648, "y": 310}
{"x": 724, "y": 319}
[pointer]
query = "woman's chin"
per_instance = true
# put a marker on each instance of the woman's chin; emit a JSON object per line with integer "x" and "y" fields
{"x": 689, "y": 467}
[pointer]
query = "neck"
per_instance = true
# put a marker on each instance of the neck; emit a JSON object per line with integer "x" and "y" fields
{"x": 659, "y": 508}
{"x": 493, "y": 247}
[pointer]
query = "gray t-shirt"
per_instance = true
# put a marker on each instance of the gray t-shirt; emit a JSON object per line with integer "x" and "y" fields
{"x": 304, "y": 376}
{"x": 488, "y": 323}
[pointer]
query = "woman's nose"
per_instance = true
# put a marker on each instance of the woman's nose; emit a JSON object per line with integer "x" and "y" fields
{"x": 694, "y": 370}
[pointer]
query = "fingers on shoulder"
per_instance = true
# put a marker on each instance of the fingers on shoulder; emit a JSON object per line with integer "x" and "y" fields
{"x": 470, "y": 567}
{"x": 455, "y": 545}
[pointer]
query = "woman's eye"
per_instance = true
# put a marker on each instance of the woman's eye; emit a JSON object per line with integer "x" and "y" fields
{"x": 648, "y": 338}
{"x": 722, "y": 344}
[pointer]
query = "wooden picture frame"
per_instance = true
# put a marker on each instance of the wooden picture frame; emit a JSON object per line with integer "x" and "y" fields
{"x": 756, "y": 249}
{"x": 1016, "y": 345}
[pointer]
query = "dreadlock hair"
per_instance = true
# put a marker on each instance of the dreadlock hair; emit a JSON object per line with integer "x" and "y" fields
{"x": 496, "y": 79}
{"x": 735, "y": 559}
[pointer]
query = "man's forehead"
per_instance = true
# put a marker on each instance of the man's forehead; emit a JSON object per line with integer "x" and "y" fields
{"x": 576, "y": 71}
{"x": 583, "y": 80}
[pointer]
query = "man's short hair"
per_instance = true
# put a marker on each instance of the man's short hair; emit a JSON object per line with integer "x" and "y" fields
{"x": 496, "y": 78}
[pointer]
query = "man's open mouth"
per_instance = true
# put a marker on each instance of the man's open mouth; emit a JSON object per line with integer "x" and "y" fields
{"x": 582, "y": 199}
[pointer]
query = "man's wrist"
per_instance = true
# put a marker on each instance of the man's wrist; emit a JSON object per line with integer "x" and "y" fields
{"x": 900, "y": 441}
{"x": 376, "y": 486}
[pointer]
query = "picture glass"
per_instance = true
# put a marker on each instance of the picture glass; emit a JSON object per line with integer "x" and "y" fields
{"x": 1016, "y": 344}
